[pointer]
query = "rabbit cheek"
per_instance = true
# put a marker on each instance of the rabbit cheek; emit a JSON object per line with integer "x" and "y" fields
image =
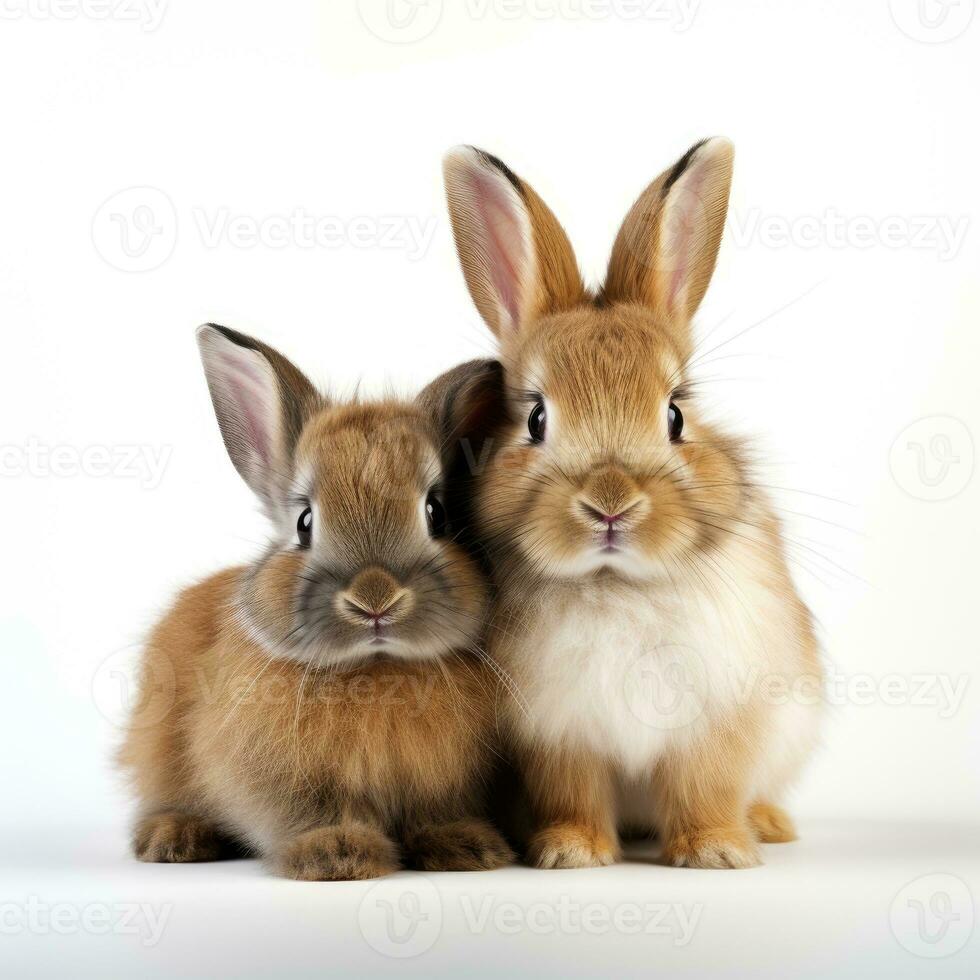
{"x": 271, "y": 594}
{"x": 563, "y": 536}
{"x": 529, "y": 509}
{"x": 671, "y": 527}
{"x": 465, "y": 587}
{"x": 711, "y": 487}
{"x": 509, "y": 471}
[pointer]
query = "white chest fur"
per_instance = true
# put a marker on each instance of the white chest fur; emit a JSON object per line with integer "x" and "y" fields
{"x": 628, "y": 670}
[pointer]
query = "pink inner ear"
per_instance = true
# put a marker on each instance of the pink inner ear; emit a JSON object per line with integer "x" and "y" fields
{"x": 505, "y": 248}
{"x": 248, "y": 387}
{"x": 684, "y": 210}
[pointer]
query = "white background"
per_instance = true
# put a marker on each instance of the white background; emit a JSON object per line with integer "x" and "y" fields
{"x": 846, "y": 285}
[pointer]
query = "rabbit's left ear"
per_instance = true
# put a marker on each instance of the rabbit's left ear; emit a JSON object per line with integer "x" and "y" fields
{"x": 262, "y": 401}
{"x": 516, "y": 257}
{"x": 665, "y": 251}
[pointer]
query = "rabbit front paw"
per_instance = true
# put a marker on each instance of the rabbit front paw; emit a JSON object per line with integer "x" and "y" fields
{"x": 722, "y": 847}
{"x": 460, "y": 845}
{"x": 337, "y": 852}
{"x": 569, "y": 845}
{"x": 178, "y": 837}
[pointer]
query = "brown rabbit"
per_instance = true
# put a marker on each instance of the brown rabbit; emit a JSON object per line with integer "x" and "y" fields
{"x": 326, "y": 707}
{"x": 665, "y": 669}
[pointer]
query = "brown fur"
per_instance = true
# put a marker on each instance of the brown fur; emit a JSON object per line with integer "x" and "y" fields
{"x": 275, "y": 727}
{"x": 571, "y": 807}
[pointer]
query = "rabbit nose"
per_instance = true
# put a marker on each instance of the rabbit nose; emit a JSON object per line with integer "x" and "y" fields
{"x": 609, "y": 496}
{"x": 594, "y": 514}
{"x": 375, "y": 597}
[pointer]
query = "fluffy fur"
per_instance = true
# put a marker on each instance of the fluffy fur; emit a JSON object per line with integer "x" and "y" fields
{"x": 644, "y": 614}
{"x": 326, "y": 707}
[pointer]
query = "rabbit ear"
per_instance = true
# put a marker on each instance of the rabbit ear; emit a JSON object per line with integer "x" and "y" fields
{"x": 515, "y": 255}
{"x": 666, "y": 249}
{"x": 464, "y": 408}
{"x": 262, "y": 401}
{"x": 463, "y": 405}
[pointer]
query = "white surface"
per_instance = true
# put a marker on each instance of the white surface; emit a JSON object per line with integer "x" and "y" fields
{"x": 846, "y": 287}
{"x": 819, "y": 907}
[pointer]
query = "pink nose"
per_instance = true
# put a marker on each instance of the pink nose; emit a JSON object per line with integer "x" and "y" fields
{"x": 370, "y": 615}
{"x": 598, "y": 515}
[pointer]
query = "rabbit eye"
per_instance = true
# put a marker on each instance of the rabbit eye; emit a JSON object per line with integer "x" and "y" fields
{"x": 536, "y": 422}
{"x": 304, "y": 528}
{"x": 675, "y": 422}
{"x": 435, "y": 515}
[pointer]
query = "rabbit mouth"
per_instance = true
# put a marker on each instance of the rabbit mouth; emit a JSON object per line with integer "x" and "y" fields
{"x": 387, "y": 643}
{"x": 610, "y": 542}
{"x": 611, "y": 539}
{"x": 609, "y": 526}
{"x": 379, "y": 636}
{"x": 382, "y": 643}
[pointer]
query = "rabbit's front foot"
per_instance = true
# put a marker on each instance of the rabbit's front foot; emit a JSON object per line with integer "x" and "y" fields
{"x": 718, "y": 847}
{"x": 571, "y": 845}
{"x": 349, "y": 851}
{"x": 460, "y": 845}
{"x": 176, "y": 837}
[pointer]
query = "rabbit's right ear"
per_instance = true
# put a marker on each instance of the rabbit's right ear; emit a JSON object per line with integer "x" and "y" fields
{"x": 515, "y": 255}
{"x": 464, "y": 405}
{"x": 262, "y": 402}
{"x": 666, "y": 249}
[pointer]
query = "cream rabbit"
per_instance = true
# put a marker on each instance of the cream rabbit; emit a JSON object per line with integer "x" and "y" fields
{"x": 656, "y": 644}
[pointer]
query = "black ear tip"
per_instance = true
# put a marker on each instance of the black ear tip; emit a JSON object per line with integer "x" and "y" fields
{"x": 685, "y": 161}
{"x": 239, "y": 339}
{"x": 489, "y": 160}
{"x": 681, "y": 166}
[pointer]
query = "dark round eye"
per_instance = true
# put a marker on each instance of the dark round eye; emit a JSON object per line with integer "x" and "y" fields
{"x": 304, "y": 528}
{"x": 435, "y": 514}
{"x": 675, "y": 422}
{"x": 536, "y": 422}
